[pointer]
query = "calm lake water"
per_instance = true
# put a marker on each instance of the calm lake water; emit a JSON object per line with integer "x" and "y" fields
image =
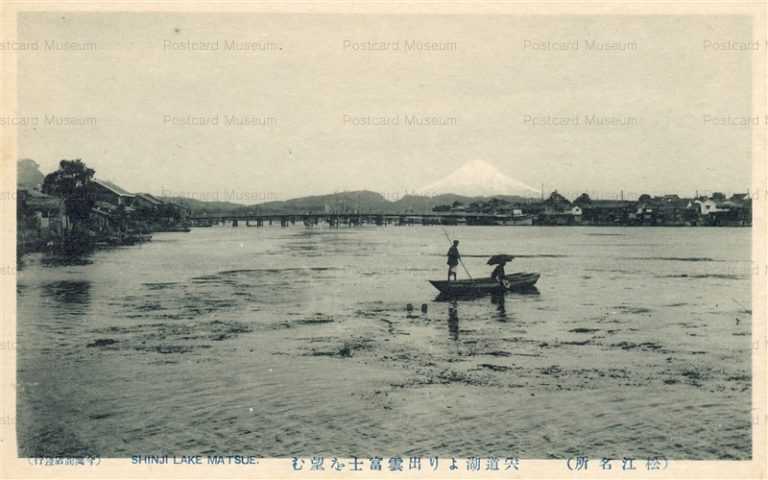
{"x": 281, "y": 342}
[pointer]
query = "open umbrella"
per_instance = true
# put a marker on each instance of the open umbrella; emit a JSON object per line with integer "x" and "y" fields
{"x": 498, "y": 259}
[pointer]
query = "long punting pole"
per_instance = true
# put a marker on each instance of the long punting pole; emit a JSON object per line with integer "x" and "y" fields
{"x": 460, "y": 260}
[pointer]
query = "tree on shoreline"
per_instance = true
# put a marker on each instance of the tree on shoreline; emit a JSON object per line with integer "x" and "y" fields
{"x": 70, "y": 182}
{"x": 583, "y": 199}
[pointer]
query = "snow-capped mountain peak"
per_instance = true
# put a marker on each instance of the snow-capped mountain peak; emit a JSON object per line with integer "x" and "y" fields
{"x": 478, "y": 178}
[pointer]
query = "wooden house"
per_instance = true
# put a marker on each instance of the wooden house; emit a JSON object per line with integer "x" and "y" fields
{"x": 105, "y": 191}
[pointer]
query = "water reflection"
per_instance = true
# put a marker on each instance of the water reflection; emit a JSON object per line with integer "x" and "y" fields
{"x": 497, "y": 299}
{"x": 453, "y": 320}
{"x": 70, "y": 297}
{"x": 534, "y": 290}
{"x": 501, "y": 311}
{"x": 57, "y": 260}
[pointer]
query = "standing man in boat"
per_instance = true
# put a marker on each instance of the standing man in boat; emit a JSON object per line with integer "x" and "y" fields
{"x": 453, "y": 259}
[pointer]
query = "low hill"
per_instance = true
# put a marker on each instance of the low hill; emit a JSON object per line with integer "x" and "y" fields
{"x": 202, "y": 207}
{"x": 357, "y": 201}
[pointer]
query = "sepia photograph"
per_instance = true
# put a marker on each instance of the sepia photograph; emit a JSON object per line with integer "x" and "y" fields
{"x": 382, "y": 242}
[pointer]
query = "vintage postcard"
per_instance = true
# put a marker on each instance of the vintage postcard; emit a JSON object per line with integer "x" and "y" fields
{"x": 371, "y": 240}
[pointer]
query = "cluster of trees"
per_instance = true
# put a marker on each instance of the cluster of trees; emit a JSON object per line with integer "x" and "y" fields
{"x": 70, "y": 182}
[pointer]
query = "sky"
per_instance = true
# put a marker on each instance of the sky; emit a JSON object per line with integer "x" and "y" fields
{"x": 339, "y": 102}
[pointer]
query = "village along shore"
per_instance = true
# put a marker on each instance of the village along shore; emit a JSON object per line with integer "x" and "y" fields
{"x": 70, "y": 211}
{"x": 665, "y": 210}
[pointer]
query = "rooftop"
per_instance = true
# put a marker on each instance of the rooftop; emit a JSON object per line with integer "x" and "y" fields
{"x": 150, "y": 198}
{"x": 114, "y": 188}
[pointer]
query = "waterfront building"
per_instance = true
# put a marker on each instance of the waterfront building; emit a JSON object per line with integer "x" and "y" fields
{"x": 608, "y": 212}
{"x": 147, "y": 201}
{"x": 717, "y": 211}
{"x": 40, "y": 218}
{"x": 106, "y": 191}
{"x": 46, "y": 212}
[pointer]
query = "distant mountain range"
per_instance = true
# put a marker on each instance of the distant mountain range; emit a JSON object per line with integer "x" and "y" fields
{"x": 357, "y": 201}
{"x": 474, "y": 181}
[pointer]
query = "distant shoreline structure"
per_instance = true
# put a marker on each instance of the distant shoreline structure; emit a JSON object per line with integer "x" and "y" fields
{"x": 357, "y": 208}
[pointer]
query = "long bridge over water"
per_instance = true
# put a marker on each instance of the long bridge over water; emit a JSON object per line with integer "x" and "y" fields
{"x": 352, "y": 219}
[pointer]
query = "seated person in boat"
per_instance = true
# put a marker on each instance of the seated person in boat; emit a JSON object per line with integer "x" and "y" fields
{"x": 453, "y": 259}
{"x": 498, "y": 273}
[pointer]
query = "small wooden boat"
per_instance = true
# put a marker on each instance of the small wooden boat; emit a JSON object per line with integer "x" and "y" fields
{"x": 518, "y": 220}
{"x": 519, "y": 281}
